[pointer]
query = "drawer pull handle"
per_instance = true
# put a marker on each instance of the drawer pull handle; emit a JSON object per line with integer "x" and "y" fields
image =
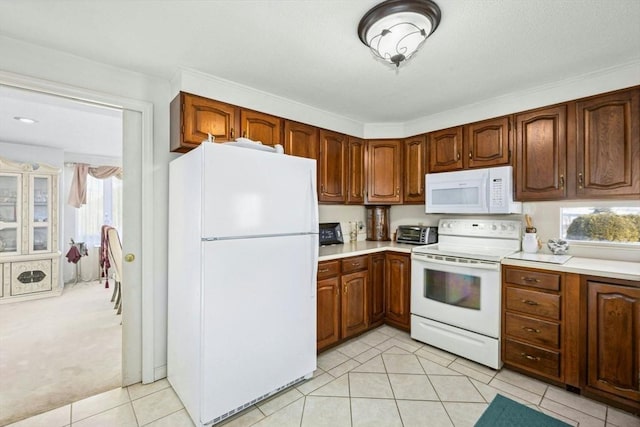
{"x": 355, "y": 264}
{"x": 530, "y": 279}
{"x": 323, "y": 270}
{"x": 529, "y": 302}
{"x": 528, "y": 329}
{"x": 530, "y": 357}
{"x": 345, "y": 288}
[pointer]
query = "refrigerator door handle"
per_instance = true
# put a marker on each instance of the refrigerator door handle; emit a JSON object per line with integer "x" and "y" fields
{"x": 314, "y": 226}
{"x": 314, "y": 265}
{"x": 314, "y": 199}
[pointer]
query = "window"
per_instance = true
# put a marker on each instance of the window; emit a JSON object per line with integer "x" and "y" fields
{"x": 104, "y": 206}
{"x": 619, "y": 225}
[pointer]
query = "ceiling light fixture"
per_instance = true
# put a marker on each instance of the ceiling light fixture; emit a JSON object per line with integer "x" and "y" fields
{"x": 395, "y": 29}
{"x": 25, "y": 120}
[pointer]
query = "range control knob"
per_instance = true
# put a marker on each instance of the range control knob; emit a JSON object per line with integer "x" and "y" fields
{"x": 494, "y": 227}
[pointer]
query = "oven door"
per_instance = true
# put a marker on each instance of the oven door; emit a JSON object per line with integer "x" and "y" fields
{"x": 456, "y": 293}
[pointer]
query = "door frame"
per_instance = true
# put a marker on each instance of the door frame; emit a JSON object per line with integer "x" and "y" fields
{"x": 137, "y": 351}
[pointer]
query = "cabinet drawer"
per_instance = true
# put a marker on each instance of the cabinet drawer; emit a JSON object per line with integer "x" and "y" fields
{"x": 533, "y": 330}
{"x": 328, "y": 269}
{"x": 532, "y": 302}
{"x": 534, "y": 358}
{"x": 534, "y": 279}
{"x": 355, "y": 263}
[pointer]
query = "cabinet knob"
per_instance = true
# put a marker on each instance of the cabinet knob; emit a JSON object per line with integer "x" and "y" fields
{"x": 561, "y": 181}
{"x": 580, "y": 180}
{"x": 346, "y": 287}
{"x": 232, "y": 134}
{"x": 458, "y": 156}
{"x": 397, "y": 191}
{"x": 129, "y": 257}
{"x": 470, "y": 154}
{"x": 323, "y": 270}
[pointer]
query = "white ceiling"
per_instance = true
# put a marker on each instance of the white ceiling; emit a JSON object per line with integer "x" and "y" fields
{"x": 72, "y": 126}
{"x": 309, "y": 51}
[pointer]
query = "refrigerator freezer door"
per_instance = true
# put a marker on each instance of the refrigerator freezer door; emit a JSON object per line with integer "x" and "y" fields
{"x": 259, "y": 318}
{"x": 250, "y": 193}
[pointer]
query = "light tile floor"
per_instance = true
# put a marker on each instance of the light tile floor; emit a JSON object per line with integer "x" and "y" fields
{"x": 381, "y": 379}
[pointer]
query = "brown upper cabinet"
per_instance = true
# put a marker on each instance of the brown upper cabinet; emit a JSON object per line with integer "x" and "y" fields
{"x": 261, "y": 127}
{"x": 332, "y": 181}
{"x": 476, "y": 145}
{"x": 384, "y": 172}
{"x": 355, "y": 163}
{"x": 487, "y": 143}
{"x": 608, "y": 145}
{"x": 541, "y": 153}
{"x": 194, "y": 117}
{"x": 301, "y": 140}
{"x": 445, "y": 150}
{"x": 415, "y": 165}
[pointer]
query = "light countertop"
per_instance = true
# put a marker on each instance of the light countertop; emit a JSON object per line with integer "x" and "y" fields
{"x": 361, "y": 248}
{"x": 589, "y": 266}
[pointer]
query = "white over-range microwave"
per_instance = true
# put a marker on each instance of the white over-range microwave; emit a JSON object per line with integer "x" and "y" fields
{"x": 474, "y": 191}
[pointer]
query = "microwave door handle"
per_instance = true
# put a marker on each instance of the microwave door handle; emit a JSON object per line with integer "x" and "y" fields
{"x": 484, "y": 266}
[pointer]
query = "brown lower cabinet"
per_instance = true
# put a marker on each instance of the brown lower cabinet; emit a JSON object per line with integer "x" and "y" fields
{"x": 398, "y": 290}
{"x": 574, "y": 330}
{"x": 356, "y": 294}
{"x": 613, "y": 341}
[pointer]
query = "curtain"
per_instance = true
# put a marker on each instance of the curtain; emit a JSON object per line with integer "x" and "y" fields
{"x": 78, "y": 190}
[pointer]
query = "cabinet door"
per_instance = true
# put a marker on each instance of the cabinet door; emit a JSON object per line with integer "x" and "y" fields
{"x": 397, "y": 290}
{"x": 354, "y": 303}
{"x": 194, "y": 117}
{"x": 384, "y": 172}
{"x": 415, "y": 164}
{"x": 487, "y": 143}
{"x": 355, "y": 162}
{"x": 261, "y": 127}
{"x": 300, "y": 140}
{"x": 614, "y": 339}
{"x": 328, "y": 300}
{"x": 376, "y": 296}
{"x": 332, "y": 176}
{"x": 11, "y": 220}
{"x": 445, "y": 150}
{"x": 608, "y": 145}
{"x": 541, "y": 151}
{"x": 40, "y": 220}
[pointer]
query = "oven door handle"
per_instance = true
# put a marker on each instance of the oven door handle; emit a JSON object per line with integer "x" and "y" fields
{"x": 485, "y": 266}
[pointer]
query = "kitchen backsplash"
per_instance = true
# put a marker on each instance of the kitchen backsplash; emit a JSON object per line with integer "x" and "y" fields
{"x": 546, "y": 218}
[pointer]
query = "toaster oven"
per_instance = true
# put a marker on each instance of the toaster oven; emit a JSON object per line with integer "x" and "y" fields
{"x": 417, "y": 234}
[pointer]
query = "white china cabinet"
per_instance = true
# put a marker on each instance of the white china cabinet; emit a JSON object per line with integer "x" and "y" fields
{"x": 29, "y": 253}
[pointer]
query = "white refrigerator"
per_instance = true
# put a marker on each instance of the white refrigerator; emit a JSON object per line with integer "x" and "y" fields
{"x": 243, "y": 253}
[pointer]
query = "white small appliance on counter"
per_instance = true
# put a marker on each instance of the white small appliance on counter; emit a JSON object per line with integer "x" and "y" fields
{"x": 474, "y": 191}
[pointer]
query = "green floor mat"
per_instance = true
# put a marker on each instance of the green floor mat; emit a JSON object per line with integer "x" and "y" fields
{"x": 503, "y": 412}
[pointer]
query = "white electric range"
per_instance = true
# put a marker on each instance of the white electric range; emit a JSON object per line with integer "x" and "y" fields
{"x": 455, "y": 287}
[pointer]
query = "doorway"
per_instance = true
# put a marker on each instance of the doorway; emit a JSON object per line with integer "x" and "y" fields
{"x": 136, "y": 133}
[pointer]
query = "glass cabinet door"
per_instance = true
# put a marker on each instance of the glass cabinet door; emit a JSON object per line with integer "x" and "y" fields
{"x": 10, "y": 216}
{"x": 40, "y": 232}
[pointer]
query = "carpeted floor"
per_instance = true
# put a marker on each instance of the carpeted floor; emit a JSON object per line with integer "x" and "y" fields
{"x": 54, "y": 351}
